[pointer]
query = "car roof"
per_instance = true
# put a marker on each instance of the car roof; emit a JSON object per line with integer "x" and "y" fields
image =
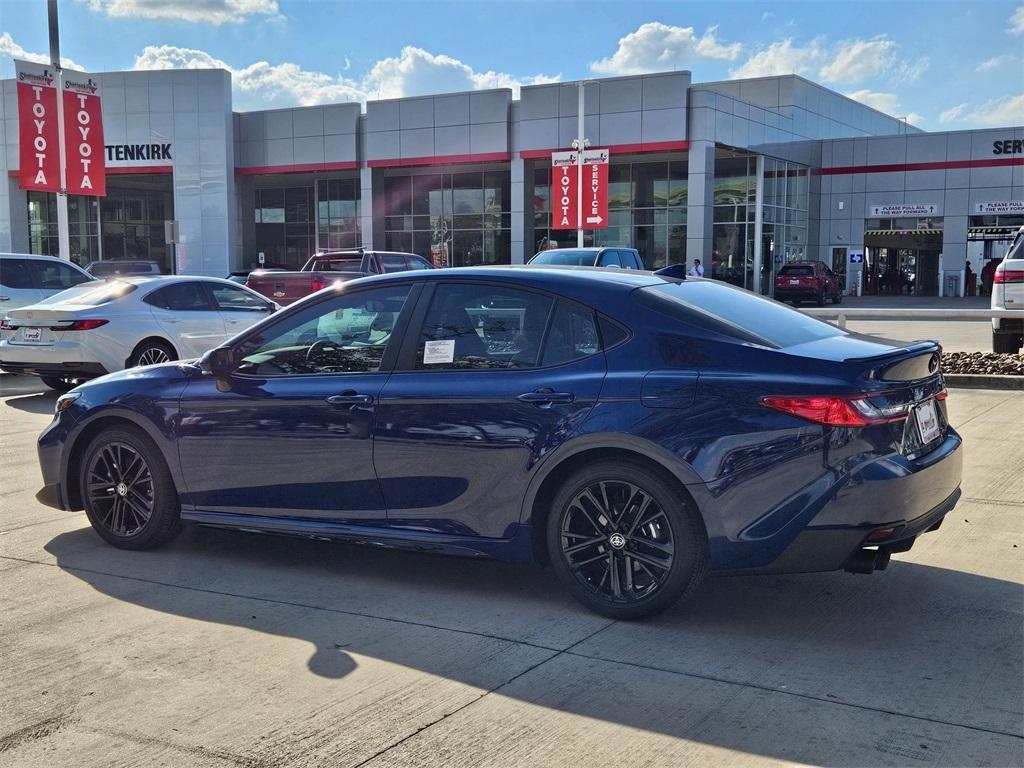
{"x": 581, "y": 248}
{"x": 152, "y": 280}
{"x": 550, "y": 276}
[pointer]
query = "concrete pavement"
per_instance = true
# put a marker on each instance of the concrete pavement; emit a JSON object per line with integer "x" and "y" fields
{"x": 236, "y": 649}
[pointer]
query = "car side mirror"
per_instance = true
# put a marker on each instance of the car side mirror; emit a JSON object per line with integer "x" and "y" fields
{"x": 218, "y": 362}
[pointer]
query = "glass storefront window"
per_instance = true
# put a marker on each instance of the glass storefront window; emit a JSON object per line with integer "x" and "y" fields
{"x": 284, "y": 225}
{"x": 452, "y": 219}
{"x": 646, "y": 211}
{"x": 337, "y": 214}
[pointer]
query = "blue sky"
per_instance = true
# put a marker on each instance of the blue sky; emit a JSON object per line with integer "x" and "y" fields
{"x": 944, "y": 65}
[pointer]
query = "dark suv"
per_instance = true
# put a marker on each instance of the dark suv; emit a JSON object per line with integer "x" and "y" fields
{"x": 625, "y": 258}
{"x": 800, "y": 281}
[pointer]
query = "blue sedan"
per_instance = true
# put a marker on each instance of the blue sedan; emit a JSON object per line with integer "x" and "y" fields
{"x": 634, "y": 431}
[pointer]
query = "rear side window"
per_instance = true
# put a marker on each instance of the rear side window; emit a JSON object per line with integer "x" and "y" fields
{"x": 180, "y": 297}
{"x": 572, "y": 335}
{"x": 1017, "y": 247}
{"x": 232, "y": 299}
{"x": 482, "y": 327}
{"x": 797, "y": 271}
{"x": 630, "y": 260}
{"x": 734, "y": 312}
{"x": 610, "y": 259}
{"x": 17, "y": 273}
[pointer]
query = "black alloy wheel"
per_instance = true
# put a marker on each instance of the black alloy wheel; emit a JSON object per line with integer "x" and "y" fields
{"x": 625, "y": 542}
{"x": 127, "y": 490}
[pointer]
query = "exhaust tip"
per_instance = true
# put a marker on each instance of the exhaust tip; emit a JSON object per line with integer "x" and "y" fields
{"x": 865, "y": 561}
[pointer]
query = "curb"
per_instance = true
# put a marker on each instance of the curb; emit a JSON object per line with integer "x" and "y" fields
{"x": 983, "y": 381}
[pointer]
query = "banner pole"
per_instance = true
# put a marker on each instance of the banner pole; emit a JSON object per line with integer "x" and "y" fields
{"x": 63, "y": 235}
{"x": 580, "y": 128}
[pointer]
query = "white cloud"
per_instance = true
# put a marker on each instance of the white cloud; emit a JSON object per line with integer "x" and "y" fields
{"x": 780, "y": 58}
{"x": 953, "y": 113}
{"x": 414, "y": 72}
{"x": 914, "y": 119}
{"x": 1005, "y": 111}
{"x": 858, "y": 60}
{"x": 215, "y": 12}
{"x": 10, "y": 48}
{"x": 995, "y": 62}
{"x": 883, "y": 102}
{"x": 656, "y": 47}
{"x": 1017, "y": 21}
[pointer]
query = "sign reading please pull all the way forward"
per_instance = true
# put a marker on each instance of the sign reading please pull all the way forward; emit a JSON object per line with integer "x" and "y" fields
{"x": 39, "y": 132}
{"x": 83, "y": 136}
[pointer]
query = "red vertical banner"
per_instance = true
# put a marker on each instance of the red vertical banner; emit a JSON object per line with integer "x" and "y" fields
{"x": 563, "y": 190}
{"x": 38, "y": 131}
{"x": 83, "y": 136}
{"x": 595, "y": 189}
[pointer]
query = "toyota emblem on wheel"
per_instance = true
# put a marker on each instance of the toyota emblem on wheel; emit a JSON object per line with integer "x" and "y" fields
{"x": 617, "y": 540}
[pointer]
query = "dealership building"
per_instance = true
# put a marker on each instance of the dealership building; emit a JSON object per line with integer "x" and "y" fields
{"x": 742, "y": 174}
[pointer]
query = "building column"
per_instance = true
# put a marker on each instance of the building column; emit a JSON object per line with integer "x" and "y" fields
{"x": 366, "y": 239}
{"x": 756, "y": 285}
{"x": 700, "y": 199}
{"x": 518, "y": 209}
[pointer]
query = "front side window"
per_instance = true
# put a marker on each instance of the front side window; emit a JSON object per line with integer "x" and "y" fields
{"x": 231, "y": 299}
{"x": 482, "y": 327}
{"x": 610, "y": 259}
{"x": 415, "y": 262}
{"x": 392, "y": 262}
{"x": 346, "y": 334}
{"x": 56, "y": 276}
{"x": 180, "y": 297}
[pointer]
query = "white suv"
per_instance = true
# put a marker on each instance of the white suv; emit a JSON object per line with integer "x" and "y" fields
{"x": 1008, "y": 293}
{"x": 26, "y": 279}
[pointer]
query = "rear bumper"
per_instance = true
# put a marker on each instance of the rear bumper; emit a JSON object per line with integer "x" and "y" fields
{"x": 1008, "y": 324}
{"x": 69, "y": 368}
{"x": 797, "y": 294}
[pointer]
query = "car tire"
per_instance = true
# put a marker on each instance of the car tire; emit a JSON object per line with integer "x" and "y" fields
{"x": 131, "y": 505}
{"x": 663, "y": 527}
{"x": 1006, "y": 343}
{"x": 838, "y": 298}
{"x": 60, "y": 383}
{"x": 820, "y": 301}
{"x": 151, "y": 352}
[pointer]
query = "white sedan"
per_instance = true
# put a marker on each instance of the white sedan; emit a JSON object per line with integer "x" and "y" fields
{"x": 100, "y": 327}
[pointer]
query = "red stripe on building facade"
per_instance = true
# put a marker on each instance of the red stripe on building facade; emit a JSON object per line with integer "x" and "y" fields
{"x": 940, "y": 165}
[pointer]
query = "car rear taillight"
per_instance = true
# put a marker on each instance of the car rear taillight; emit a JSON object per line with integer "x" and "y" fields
{"x": 1009, "y": 276}
{"x": 80, "y": 325}
{"x": 318, "y": 284}
{"x": 838, "y": 410}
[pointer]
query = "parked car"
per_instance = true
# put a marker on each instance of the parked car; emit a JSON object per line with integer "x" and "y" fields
{"x": 631, "y": 430}
{"x": 800, "y": 281}
{"x": 1008, "y": 293}
{"x": 625, "y": 258}
{"x": 121, "y": 267}
{"x": 104, "y": 326}
{"x": 324, "y": 269}
{"x": 26, "y": 279}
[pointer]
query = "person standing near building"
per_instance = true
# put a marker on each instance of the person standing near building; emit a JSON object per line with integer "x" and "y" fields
{"x": 696, "y": 270}
{"x": 971, "y": 279}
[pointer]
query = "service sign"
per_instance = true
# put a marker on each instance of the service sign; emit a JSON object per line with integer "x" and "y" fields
{"x": 1010, "y": 206}
{"x": 38, "y": 132}
{"x": 595, "y": 188}
{"x": 563, "y": 194}
{"x": 83, "y": 135}
{"x": 923, "y": 209}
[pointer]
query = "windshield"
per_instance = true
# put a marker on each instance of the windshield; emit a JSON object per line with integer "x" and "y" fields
{"x": 791, "y": 271}
{"x": 91, "y": 294}
{"x": 566, "y": 258}
{"x": 735, "y": 312}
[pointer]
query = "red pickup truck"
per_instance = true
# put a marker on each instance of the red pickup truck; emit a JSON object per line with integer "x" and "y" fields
{"x": 324, "y": 269}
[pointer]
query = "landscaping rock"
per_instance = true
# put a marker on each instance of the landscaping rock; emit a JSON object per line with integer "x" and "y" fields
{"x": 983, "y": 363}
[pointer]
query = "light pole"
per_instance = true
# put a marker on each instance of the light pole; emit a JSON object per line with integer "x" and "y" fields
{"x": 63, "y": 237}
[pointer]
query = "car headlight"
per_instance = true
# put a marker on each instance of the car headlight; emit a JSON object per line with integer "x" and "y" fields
{"x": 66, "y": 401}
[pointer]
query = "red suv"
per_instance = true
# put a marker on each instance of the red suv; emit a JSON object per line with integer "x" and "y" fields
{"x": 800, "y": 281}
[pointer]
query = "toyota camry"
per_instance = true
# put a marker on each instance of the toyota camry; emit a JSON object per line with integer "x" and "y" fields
{"x": 634, "y": 431}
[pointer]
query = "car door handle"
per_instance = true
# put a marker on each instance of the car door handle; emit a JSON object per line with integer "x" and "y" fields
{"x": 350, "y": 398}
{"x": 545, "y": 396}
{"x": 5, "y": 298}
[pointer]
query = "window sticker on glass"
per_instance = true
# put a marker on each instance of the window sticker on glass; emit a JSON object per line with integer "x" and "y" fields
{"x": 439, "y": 351}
